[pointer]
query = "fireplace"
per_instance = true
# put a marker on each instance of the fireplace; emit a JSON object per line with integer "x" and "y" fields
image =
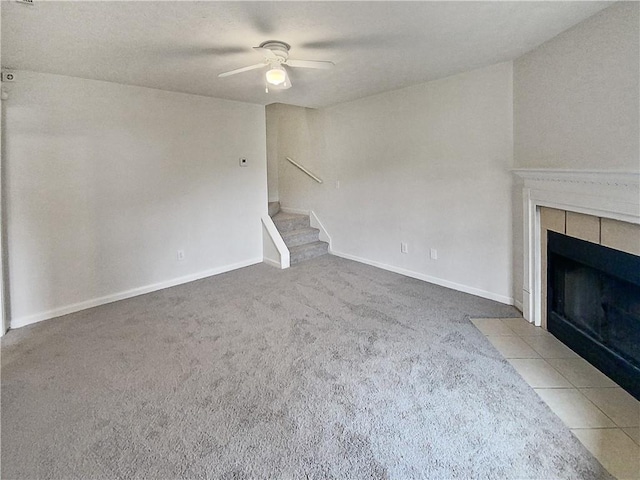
{"x": 611, "y": 196}
{"x": 593, "y": 305}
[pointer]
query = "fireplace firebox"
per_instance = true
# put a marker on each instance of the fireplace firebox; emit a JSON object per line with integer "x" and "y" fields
{"x": 593, "y": 306}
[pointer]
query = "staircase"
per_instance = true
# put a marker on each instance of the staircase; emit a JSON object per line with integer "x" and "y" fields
{"x": 300, "y": 238}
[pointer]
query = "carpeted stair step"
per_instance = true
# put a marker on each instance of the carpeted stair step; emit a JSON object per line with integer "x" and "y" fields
{"x": 274, "y": 208}
{"x": 307, "y": 251}
{"x": 287, "y": 222}
{"x": 300, "y": 238}
{"x": 295, "y": 238}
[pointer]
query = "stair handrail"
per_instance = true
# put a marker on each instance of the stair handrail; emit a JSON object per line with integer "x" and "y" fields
{"x": 317, "y": 179}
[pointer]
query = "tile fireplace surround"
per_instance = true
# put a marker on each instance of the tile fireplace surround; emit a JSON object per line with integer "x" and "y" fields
{"x": 588, "y": 202}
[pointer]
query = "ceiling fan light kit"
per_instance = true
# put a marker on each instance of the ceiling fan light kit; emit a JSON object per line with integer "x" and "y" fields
{"x": 276, "y": 56}
{"x": 276, "y": 75}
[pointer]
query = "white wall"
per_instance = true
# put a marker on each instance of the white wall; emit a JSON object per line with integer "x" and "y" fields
{"x": 576, "y": 103}
{"x": 106, "y": 182}
{"x": 4, "y": 324}
{"x": 301, "y": 134}
{"x": 427, "y": 165}
{"x": 272, "y": 154}
{"x": 576, "y": 97}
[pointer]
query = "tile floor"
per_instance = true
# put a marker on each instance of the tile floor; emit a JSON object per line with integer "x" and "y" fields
{"x": 604, "y": 417}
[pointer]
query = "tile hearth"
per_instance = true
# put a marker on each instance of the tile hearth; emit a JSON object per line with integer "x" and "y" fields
{"x": 603, "y": 416}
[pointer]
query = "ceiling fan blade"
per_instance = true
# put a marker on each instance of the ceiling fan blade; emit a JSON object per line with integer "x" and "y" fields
{"x": 309, "y": 64}
{"x": 243, "y": 69}
{"x": 267, "y": 53}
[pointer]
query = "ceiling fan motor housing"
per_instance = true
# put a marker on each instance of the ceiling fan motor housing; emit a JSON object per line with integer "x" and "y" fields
{"x": 279, "y": 49}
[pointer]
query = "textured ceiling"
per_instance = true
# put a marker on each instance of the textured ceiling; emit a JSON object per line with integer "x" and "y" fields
{"x": 182, "y": 46}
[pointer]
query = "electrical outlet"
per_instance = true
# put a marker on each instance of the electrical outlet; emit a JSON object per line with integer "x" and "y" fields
{"x": 404, "y": 248}
{"x": 433, "y": 253}
{"x": 244, "y": 162}
{"x": 180, "y": 255}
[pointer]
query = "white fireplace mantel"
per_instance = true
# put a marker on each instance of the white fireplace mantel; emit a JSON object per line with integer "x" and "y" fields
{"x": 600, "y": 193}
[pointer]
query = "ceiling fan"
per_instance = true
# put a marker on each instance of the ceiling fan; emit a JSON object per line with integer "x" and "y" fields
{"x": 276, "y": 56}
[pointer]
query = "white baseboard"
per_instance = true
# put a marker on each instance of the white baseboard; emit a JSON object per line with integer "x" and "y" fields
{"x": 271, "y": 262}
{"x": 273, "y": 236}
{"x": 518, "y": 305}
{"x": 294, "y": 210}
{"x": 134, "y": 292}
{"x": 427, "y": 278}
{"x": 316, "y": 223}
